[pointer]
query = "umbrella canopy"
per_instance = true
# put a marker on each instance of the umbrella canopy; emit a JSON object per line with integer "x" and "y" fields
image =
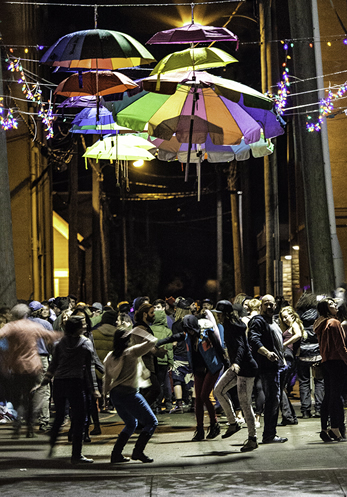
{"x": 193, "y": 59}
{"x": 83, "y": 101}
{"x": 97, "y": 49}
{"x": 94, "y": 83}
{"x": 86, "y": 122}
{"x": 122, "y": 147}
{"x": 192, "y": 33}
{"x": 226, "y": 110}
{"x": 173, "y": 149}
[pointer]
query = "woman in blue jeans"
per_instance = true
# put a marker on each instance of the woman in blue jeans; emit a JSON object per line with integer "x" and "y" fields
{"x": 125, "y": 373}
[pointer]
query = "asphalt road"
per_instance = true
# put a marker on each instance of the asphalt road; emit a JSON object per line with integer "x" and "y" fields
{"x": 303, "y": 466}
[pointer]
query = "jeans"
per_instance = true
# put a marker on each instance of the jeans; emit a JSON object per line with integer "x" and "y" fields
{"x": 42, "y": 397}
{"x": 272, "y": 390}
{"x": 335, "y": 377}
{"x": 304, "y": 376}
{"x": 133, "y": 407}
{"x": 244, "y": 389}
{"x": 71, "y": 389}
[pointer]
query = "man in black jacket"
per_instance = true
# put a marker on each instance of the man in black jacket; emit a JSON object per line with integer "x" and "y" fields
{"x": 265, "y": 339}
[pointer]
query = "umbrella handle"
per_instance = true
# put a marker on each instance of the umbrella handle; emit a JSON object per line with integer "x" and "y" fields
{"x": 190, "y": 132}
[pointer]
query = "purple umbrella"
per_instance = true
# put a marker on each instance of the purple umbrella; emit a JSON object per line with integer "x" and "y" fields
{"x": 193, "y": 33}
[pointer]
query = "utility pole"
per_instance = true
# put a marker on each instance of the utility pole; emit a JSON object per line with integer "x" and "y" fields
{"x": 8, "y": 295}
{"x": 309, "y": 153}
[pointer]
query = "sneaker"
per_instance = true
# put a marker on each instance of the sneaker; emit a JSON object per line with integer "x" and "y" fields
{"x": 96, "y": 431}
{"x": 249, "y": 444}
{"x": 214, "y": 431}
{"x": 232, "y": 429}
{"x": 306, "y": 414}
{"x": 275, "y": 440}
{"x": 198, "y": 435}
{"x": 257, "y": 424}
{"x": 81, "y": 460}
{"x": 177, "y": 410}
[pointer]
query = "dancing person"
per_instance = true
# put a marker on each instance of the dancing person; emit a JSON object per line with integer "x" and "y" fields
{"x": 332, "y": 344}
{"x": 124, "y": 375}
{"x": 242, "y": 372}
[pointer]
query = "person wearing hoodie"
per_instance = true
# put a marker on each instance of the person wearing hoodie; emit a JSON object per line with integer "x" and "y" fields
{"x": 71, "y": 368}
{"x": 205, "y": 355}
{"x": 332, "y": 343}
{"x": 309, "y": 357}
{"x": 242, "y": 372}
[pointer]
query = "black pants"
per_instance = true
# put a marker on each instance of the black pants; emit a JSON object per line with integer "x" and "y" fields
{"x": 72, "y": 390}
{"x": 152, "y": 393}
{"x": 335, "y": 376}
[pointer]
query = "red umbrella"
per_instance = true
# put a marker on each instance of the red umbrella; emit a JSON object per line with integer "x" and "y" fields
{"x": 94, "y": 83}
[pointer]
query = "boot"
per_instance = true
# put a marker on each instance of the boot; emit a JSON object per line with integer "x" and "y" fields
{"x": 96, "y": 430}
{"x": 141, "y": 443}
{"x": 116, "y": 455}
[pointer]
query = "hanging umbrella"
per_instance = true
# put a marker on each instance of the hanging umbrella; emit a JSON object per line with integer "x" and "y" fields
{"x": 226, "y": 110}
{"x": 193, "y": 59}
{"x": 82, "y": 101}
{"x": 197, "y": 153}
{"x": 174, "y": 150}
{"x": 97, "y": 49}
{"x": 94, "y": 83}
{"x": 87, "y": 117}
{"x": 123, "y": 147}
{"x": 192, "y": 33}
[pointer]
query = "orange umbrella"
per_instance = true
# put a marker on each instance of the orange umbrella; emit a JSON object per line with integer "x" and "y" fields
{"x": 95, "y": 83}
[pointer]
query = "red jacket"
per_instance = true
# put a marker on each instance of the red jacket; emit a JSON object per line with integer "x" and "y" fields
{"x": 331, "y": 339}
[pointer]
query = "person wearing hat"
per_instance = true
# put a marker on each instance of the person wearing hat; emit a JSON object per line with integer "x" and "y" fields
{"x": 207, "y": 304}
{"x": 97, "y": 309}
{"x": 241, "y": 373}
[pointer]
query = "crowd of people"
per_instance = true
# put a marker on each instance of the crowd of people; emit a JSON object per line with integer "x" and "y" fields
{"x": 239, "y": 358}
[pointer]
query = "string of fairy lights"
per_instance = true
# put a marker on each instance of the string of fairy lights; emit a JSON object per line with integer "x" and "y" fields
{"x": 33, "y": 93}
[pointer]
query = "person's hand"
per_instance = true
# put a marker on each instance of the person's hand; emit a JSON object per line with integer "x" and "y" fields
{"x": 272, "y": 356}
{"x": 96, "y": 394}
{"x": 236, "y": 368}
{"x": 161, "y": 352}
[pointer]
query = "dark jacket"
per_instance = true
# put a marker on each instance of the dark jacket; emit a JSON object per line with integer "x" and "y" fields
{"x": 238, "y": 348}
{"x": 260, "y": 335}
{"x": 309, "y": 346}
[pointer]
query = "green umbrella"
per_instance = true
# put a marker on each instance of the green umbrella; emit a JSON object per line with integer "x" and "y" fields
{"x": 193, "y": 59}
{"x": 123, "y": 147}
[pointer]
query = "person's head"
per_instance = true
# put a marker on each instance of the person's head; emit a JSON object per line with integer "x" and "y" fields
{"x": 124, "y": 307}
{"x": 327, "y": 307}
{"x": 109, "y": 317}
{"x": 120, "y": 341}
{"x": 159, "y": 305}
{"x": 139, "y": 301}
{"x": 35, "y": 306}
{"x": 96, "y": 308}
{"x": 20, "y": 311}
{"x": 74, "y": 326}
{"x": 287, "y": 317}
{"x": 45, "y": 312}
{"x": 65, "y": 316}
{"x": 124, "y": 320}
{"x": 145, "y": 314}
{"x": 190, "y": 325}
{"x": 81, "y": 311}
{"x": 268, "y": 306}
{"x": 254, "y": 306}
{"x": 244, "y": 304}
{"x": 207, "y": 304}
{"x": 170, "y": 305}
{"x": 306, "y": 301}
{"x": 73, "y": 300}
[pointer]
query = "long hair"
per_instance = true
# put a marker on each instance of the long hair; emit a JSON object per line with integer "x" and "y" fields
{"x": 295, "y": 315}
{"x": 323, "y": 307}
{"x": 120, "y": 341}
{"x": 80, "y": 309}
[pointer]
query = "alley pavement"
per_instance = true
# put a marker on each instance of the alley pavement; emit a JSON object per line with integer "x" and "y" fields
{"x": 303, "y": 466}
